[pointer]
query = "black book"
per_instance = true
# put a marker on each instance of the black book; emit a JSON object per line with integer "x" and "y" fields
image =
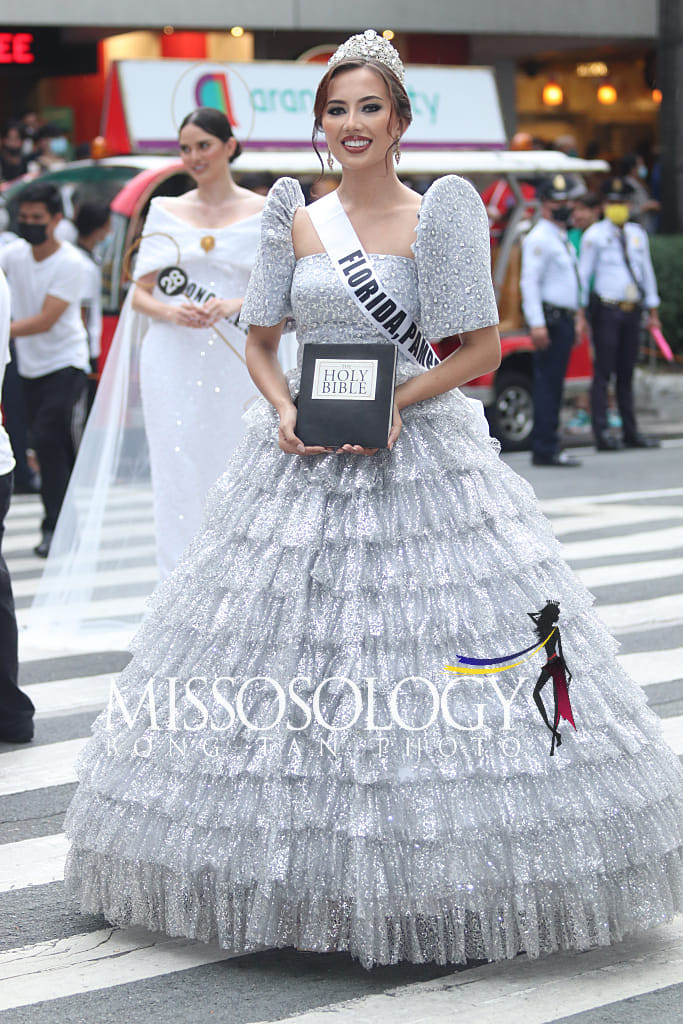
{"x": 346, "y": 395}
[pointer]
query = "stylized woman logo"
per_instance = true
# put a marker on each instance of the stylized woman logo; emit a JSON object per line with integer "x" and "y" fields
{"x": 548, "y": 636}
{"x": 555, "y": 667}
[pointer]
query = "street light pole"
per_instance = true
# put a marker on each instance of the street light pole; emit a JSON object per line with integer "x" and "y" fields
{"x": 670, "y": 81}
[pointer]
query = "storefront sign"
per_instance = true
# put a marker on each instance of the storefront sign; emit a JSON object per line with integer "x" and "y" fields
{"x": 29, "y": 52}
{"x": 271, "y": 103}
{"x": 16, "y": 48}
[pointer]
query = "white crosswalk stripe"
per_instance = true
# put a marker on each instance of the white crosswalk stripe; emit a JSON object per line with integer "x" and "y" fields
{"x": 32, "y": 862}
{"x": 536, "y": 991}
{"x": 608, "y": 517}
{"x": 669, "y": 540}
{"x": 95, "y": 960}
{"x": 105, "y": 578}
{"x": 69, "y": 696}
{"x": 50, "y": 764}
{"x": 533, "y": 991}
{"x": 631, "y": 572}
{"x": 137, "y": 537}
{"x": 641, "y": 614}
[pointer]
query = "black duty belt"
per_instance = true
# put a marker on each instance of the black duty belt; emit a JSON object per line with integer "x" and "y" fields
{"x": 552, "y": 312}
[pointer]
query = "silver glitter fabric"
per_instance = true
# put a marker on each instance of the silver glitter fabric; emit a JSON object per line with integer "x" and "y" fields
{"x": 286, "y": 761}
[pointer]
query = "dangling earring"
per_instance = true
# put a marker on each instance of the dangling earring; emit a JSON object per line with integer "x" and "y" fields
{"x": 330, "y": 160}
{"x": 397, "y": 149}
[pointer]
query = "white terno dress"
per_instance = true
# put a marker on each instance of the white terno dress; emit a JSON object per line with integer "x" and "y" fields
{"x": 194, "y": 383}
{"x": 246, "y": 813}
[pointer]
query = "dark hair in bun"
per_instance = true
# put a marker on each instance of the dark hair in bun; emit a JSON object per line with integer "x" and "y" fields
{"x": 213, "y": 122}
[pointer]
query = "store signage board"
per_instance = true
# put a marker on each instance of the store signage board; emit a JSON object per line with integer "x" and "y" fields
{"x": 16, "y": 48}
{"x": 270, "y": 103}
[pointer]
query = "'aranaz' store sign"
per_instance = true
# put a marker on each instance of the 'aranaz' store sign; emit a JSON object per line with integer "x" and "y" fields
{"x": 271, "y": 103}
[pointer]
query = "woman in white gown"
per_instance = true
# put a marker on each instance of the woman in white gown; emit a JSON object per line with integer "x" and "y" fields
{"x": 285, "y": 760}
{"x": 176, "y": 363}
{"x": 194, "y": 380}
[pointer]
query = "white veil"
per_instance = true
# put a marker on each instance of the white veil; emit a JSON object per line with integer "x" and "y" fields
{"x": 102, "y": 562}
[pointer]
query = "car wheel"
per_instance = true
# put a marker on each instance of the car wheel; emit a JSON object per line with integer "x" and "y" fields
{"x": 511, "y": 416}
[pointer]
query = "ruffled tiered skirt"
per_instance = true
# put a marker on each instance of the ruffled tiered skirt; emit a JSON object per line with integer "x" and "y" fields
{"x": 328, "y": 784}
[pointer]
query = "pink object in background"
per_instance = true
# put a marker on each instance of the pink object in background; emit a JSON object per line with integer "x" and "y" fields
{"x": 662, "y": 343}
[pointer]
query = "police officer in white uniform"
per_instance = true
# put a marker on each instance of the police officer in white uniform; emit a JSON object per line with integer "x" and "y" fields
{"x": 549, "y": 284}
{"x": 615, "y": 257}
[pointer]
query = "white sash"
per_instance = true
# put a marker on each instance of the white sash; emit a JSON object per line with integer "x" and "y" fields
{"x": 357, "y": 273}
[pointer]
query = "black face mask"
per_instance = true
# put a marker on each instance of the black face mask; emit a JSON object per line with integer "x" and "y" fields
{"x": 35, "y": 234}
{"x": 561, "y": 214}
{"x": 12, "y": 150}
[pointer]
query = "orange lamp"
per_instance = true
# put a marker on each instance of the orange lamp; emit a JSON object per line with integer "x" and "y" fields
{"x": 657, "y": 95}
{"x": 553, "y": 95}
{"x": 607, "y": 94}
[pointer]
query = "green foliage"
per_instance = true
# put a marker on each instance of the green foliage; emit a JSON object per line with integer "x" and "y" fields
{"x": 667, "y": 259}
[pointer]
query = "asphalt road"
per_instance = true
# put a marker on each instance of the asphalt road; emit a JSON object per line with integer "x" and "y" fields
{"x": 620, "y": 517}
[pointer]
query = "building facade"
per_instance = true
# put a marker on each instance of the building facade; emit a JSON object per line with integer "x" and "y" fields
{"x": 583, "y": 68}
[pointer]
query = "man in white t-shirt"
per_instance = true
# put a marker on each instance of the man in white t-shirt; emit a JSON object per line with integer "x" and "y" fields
{"x": 16, "y": 709}
{"x": 44, "y": 277}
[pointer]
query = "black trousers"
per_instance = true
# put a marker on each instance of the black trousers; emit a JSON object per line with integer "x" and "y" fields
{"x": 616, "y": 340}
{"x": 14, "y": 408}
{"x": 56, "y": 407}
{"x": 16, "y": 709}
{"x": 550, "y": 368}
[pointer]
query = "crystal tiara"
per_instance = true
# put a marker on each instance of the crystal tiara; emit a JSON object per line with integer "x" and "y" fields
{"x": 369, "y": 46}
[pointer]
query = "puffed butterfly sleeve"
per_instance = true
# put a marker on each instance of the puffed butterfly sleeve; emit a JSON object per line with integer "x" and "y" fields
{"x": 267, "y": 300}
{"x": 453, "y": 255}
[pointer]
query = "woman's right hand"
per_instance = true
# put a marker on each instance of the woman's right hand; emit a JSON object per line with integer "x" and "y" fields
{"x": 287, "y": 439}
{"x": 187, "y": 314}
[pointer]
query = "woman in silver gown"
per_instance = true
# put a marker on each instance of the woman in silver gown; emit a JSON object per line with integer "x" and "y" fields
{"x": 285, "y": 760}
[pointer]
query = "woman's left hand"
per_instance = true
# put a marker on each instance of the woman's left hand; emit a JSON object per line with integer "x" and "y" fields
{"x": 218, "y": 309}
{"x": 357, "y": 449}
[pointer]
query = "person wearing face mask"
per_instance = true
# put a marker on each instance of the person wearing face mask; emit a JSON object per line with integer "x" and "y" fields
{"x": 615, "y": 256}
{"x": 549, "y": 285}
{"x": 643, "y": 208}
{"x": 51, "y": 150}
{"x": 13, "y": 163}
{"x": 45, "y": 281}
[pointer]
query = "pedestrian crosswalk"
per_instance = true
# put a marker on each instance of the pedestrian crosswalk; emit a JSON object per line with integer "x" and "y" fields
{"x": 626, "y": 547}
{"x": 82, "y": 963}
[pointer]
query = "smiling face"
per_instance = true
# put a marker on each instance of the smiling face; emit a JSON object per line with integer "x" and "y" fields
{"x": 205, "y": 156}
{"x": 358, "y": 118}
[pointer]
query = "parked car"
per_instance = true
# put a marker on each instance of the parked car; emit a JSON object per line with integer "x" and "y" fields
{"x": 130, "y": 183}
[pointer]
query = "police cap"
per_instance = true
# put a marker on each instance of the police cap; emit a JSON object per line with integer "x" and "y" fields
{"x": 617, "y": 190}
{"x": 556, "y": 189}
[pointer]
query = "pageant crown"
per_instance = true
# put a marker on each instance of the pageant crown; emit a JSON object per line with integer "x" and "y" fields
{"x": 369, "y": 46}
